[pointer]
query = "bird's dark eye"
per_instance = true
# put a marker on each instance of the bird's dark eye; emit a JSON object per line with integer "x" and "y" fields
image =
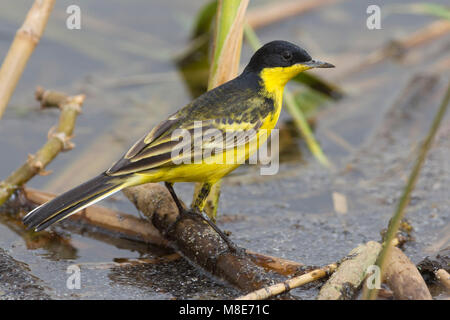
{"x": 287, "y": 55}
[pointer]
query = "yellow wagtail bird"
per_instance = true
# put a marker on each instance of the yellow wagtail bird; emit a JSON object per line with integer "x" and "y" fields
{"x": 250, "y": 102}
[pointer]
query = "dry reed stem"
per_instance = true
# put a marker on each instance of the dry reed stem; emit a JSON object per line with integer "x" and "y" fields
{"x": 26, "y": 39}
{"x": 290, "y": 284}
{"x": 227, "y": 64}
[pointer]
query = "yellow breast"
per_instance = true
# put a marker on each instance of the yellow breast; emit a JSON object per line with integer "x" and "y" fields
{"x": 273, "y": 81}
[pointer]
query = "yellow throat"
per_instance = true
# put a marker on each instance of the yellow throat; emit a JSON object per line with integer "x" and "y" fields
{"x": 273, "y": 82}
{"x": 275, "y": 79}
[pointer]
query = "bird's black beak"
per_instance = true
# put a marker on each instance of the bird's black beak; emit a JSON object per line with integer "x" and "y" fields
{"x": 318, "y": 64}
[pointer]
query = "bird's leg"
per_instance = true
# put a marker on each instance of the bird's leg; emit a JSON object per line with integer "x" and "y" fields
{"x": 181, "y": 209}
{"x": 197, "y": 209}
{"x": 200, "y": 202}
{"x": 196, "y": 212}
{"x": 169, "y": 186}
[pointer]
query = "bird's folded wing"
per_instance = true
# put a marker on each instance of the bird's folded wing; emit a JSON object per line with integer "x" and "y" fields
{"x": 175, "y": 141}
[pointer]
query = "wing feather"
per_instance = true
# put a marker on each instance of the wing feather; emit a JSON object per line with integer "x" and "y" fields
{"x": 233, "y": 112}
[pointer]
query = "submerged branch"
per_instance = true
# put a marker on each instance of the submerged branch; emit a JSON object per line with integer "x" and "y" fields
{"x": 196, "y": 240}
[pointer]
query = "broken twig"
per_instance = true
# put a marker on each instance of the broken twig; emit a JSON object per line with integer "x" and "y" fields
{"x": 58, "y": 140}
{"x": 287, "y": 285}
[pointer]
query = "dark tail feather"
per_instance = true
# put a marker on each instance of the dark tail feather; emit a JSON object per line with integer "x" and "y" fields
{"x": 73, "y": 201}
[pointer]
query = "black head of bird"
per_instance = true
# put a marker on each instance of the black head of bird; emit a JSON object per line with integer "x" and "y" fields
{"x": 283, "y": 54}
{"x": 278, "y": 61}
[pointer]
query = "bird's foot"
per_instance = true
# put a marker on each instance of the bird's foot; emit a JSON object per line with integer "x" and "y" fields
{"x": 196, "y": 214}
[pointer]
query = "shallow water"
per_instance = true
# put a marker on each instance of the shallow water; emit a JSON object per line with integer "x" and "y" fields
{"x": 122, "y": 60}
